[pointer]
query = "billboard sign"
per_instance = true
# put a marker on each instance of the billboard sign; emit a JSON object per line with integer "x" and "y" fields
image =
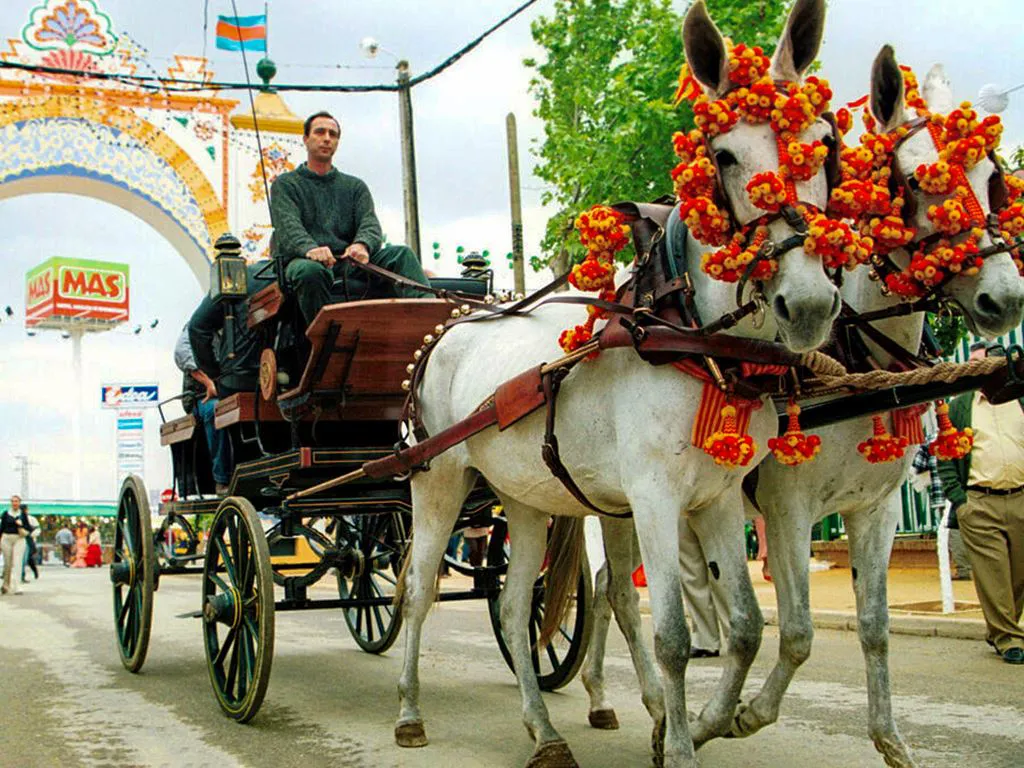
{"x": 129, "y": 396}
{"x": 62, "y": 293}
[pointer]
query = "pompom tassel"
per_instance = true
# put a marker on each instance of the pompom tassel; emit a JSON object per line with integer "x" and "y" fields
{"x": 794, "y": 447}
{"x": 951, "y": 443}
{"x": 882, "y": 446}
{"x": 727, "y": 446}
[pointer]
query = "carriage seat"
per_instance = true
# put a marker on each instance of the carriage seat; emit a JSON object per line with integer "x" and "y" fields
{"x": 241, "y": 407}
{"x": 359, "y": 353}
{"x": 177, "y": 430}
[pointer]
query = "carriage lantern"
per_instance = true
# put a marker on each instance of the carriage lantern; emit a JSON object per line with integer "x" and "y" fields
{"x": 475, "y": 265}
{"x": 227, "y": 273}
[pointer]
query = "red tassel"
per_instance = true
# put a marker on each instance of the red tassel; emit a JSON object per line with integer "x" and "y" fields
{"x": 794, "y": 447}
{"x": 881, "y": 446}
{"x": 950, "y": 443}
{"x": 727, "y": 446}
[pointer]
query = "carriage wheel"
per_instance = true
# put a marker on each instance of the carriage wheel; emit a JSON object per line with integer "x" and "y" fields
{"x": 381, "y": 542}
{"x": 132, "y": 574}
{"x": 557, "y": 663}
{"x": 166, "y": 552}
{"x": 238, "y": 609}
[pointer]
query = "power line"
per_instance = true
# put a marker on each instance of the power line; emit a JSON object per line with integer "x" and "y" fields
{"x": 177, "y": 85}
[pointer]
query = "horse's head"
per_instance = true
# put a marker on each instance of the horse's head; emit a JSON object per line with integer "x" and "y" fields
{"x": 766, "y": 230}
{"x": 991, "y": 295}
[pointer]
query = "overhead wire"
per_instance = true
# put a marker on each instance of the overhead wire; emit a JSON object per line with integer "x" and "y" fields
{"x": 178, "y": 85}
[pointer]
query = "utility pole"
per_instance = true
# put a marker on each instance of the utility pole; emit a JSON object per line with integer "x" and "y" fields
{"x": 412, "y": 211}
{"x": 21, "y": 465}
{"x": 517, "y": 204}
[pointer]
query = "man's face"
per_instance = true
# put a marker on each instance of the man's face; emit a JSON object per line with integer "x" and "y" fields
{"x": 977, "y": 354}
{"x": 322, "y": 141}
{"x": 15, "y": 502}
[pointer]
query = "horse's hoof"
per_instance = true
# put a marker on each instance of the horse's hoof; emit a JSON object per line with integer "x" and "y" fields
{"x": 603, "y": 719}
{"x": 411, "y": 734}
{"x": 553, "y": 754}
{"x": 658, "y": 743}
{"x": 743, "y": 723}
{"x": 895, "y": 753}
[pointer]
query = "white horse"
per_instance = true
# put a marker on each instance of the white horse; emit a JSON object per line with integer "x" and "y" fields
{"x": 624, "y": 428}
{"x": 792, "y": 499}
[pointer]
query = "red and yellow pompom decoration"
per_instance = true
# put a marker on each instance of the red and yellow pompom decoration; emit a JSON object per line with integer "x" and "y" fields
{"x": 934, "y": 179}
{"x": 604, "y": 233}
{"x": 727, "y": 446}
{"x": 950, "y": 444}
{"x": 790, "y": 108}
{"x": 836, "y": 243}
{"x": 794, "y": 447}
{"x": 929, "y": 268}
{"x": 730, "y": 263}
{"x": 881, "y": 446}
{"x": 767, "y": 191}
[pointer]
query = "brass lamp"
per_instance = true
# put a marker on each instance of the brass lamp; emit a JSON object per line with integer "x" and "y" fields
{"x": 227, "y": 273}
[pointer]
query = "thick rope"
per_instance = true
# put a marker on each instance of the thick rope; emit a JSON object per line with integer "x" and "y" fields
{"x": 833, "y": 374}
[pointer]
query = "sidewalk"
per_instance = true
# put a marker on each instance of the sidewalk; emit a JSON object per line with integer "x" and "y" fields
{"x": 915, "y": 606}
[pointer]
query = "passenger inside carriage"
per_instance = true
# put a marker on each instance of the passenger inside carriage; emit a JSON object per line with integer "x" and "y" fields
{"x": 324, "y": 217}
{"x": 225, "y": 359}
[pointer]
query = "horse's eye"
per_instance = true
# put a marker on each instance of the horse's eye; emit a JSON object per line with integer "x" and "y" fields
{"x": 724, "y": 158}
{"x": 913, "y": 183}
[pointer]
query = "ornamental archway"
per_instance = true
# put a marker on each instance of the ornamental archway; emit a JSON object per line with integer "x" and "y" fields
{"x": 180, "y": 161}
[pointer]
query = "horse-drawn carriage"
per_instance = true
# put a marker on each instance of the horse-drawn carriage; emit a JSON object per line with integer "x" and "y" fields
{"x": 334, "y": 403}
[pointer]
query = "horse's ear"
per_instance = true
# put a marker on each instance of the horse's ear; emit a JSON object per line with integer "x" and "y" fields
{"x": 887, "y": 90}
{"x": 705, "y": 50}
{"x": 937, "y": 91}
{"x": 800, "y": 41}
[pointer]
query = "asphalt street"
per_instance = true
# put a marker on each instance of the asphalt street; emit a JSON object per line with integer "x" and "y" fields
{"x": 67, "y": 701}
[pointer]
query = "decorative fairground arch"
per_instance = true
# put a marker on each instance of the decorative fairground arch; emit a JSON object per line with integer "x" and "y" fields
{"x": 180, "y": 161}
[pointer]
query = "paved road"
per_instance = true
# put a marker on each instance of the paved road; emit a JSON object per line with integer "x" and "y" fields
{"x": 66, "y": 699}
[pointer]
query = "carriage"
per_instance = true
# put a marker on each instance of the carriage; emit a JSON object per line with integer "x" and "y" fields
{"x": 329, "y": 400}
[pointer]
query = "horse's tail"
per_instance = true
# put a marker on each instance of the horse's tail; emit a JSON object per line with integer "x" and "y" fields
{"x": 565, "y": 549}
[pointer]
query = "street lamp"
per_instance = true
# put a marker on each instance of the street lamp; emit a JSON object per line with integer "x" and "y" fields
{"x": 370, "y": 48}
{"x": 995, "y": 98}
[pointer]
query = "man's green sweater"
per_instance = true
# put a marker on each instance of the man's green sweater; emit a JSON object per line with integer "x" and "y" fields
{"x": 311, "y": 210}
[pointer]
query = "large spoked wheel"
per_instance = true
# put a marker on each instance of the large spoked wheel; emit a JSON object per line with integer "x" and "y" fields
{"x": 176, "y": 541}
{"x": 380, "y": 543}
{"x": 558, "y": 662}
{"x": 132, "y": 574}
{"x": 238, "y": 609}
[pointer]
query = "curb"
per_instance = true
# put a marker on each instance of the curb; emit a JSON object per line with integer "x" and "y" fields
{"x": 899, "y": 624}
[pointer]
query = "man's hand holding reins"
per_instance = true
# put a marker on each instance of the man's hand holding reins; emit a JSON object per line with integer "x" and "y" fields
{"x": 357, "y": 252}
{"x": 322, "y": 254}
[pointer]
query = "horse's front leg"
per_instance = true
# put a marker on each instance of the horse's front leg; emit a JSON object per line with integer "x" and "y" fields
{"x": 719, "y": 528}
{"x": 871, "y": 535}
{"x": 437, "y": 497}
{"x": 623, "y": 598}
{"x": 656, "y": 516}
{"x": 527, "y": 539}
{"x": 789, "y": 541}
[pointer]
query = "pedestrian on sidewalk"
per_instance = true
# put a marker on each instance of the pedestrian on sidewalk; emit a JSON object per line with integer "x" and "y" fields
{"x": 31, "y": 556}
{"x": 65, "y": 541}
{"x": 14, "y": 529}
{"x": 928, "y": 480}
{"x": 703, "y": 597}
{"x": 986, "y": 488}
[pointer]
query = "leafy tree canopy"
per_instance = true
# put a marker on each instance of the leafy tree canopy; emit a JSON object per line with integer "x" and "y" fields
{"x": 605, "y": 94}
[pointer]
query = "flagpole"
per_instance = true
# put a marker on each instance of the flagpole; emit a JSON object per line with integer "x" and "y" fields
{"x": 266, "y": 26}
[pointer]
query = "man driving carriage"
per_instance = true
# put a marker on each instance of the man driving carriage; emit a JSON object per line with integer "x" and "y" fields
{"x": 322, "y": 219}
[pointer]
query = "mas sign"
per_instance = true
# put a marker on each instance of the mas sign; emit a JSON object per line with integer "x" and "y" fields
{"x": 65, "y": 293}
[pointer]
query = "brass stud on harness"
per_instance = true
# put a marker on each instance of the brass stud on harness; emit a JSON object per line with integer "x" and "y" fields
{"x": 410, "y": 368}
{"x": 456, "y": 313}
{"x": 489, "y": 298}
{"x": 417, "y": 354}
{"x": 465, "y": 309}
{"x": 428, "y": 339}
{"x": 873, "y": 276}
{"x": 406, "y": 385}
{"x": 438, "y": 329}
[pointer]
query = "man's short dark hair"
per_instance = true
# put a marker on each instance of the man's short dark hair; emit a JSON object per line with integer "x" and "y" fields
{"x": 979, "y": 345}
{"x": 322, "y": 113}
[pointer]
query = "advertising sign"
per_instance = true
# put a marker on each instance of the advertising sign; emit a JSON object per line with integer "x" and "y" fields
{"x": 62, "y": 293}
{"x": 129, "y": 396}
{"x": 131, "y": 446}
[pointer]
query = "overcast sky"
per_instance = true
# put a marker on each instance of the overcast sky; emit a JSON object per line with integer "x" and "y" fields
{"x": 463, "y": 185}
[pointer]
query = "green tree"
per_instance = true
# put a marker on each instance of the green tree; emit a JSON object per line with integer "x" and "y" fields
{"x": 605, "y": 94}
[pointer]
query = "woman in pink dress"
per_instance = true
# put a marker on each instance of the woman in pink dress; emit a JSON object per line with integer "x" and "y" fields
{"x": 81, "y": 545}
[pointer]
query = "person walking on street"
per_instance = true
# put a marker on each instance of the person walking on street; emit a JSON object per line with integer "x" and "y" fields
{"x": 31, "y": 547}
{"x": 14, "y": 529}
{"x": 65, "y": 540}
{"x": 986, "y": 488}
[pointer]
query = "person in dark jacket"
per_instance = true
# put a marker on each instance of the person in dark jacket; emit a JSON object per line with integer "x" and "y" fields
{"x": 322, "y": 219}
{"x": 14, "y": 529}
{"x": 227, "y": 370}
{"x": 986, "y": 489}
